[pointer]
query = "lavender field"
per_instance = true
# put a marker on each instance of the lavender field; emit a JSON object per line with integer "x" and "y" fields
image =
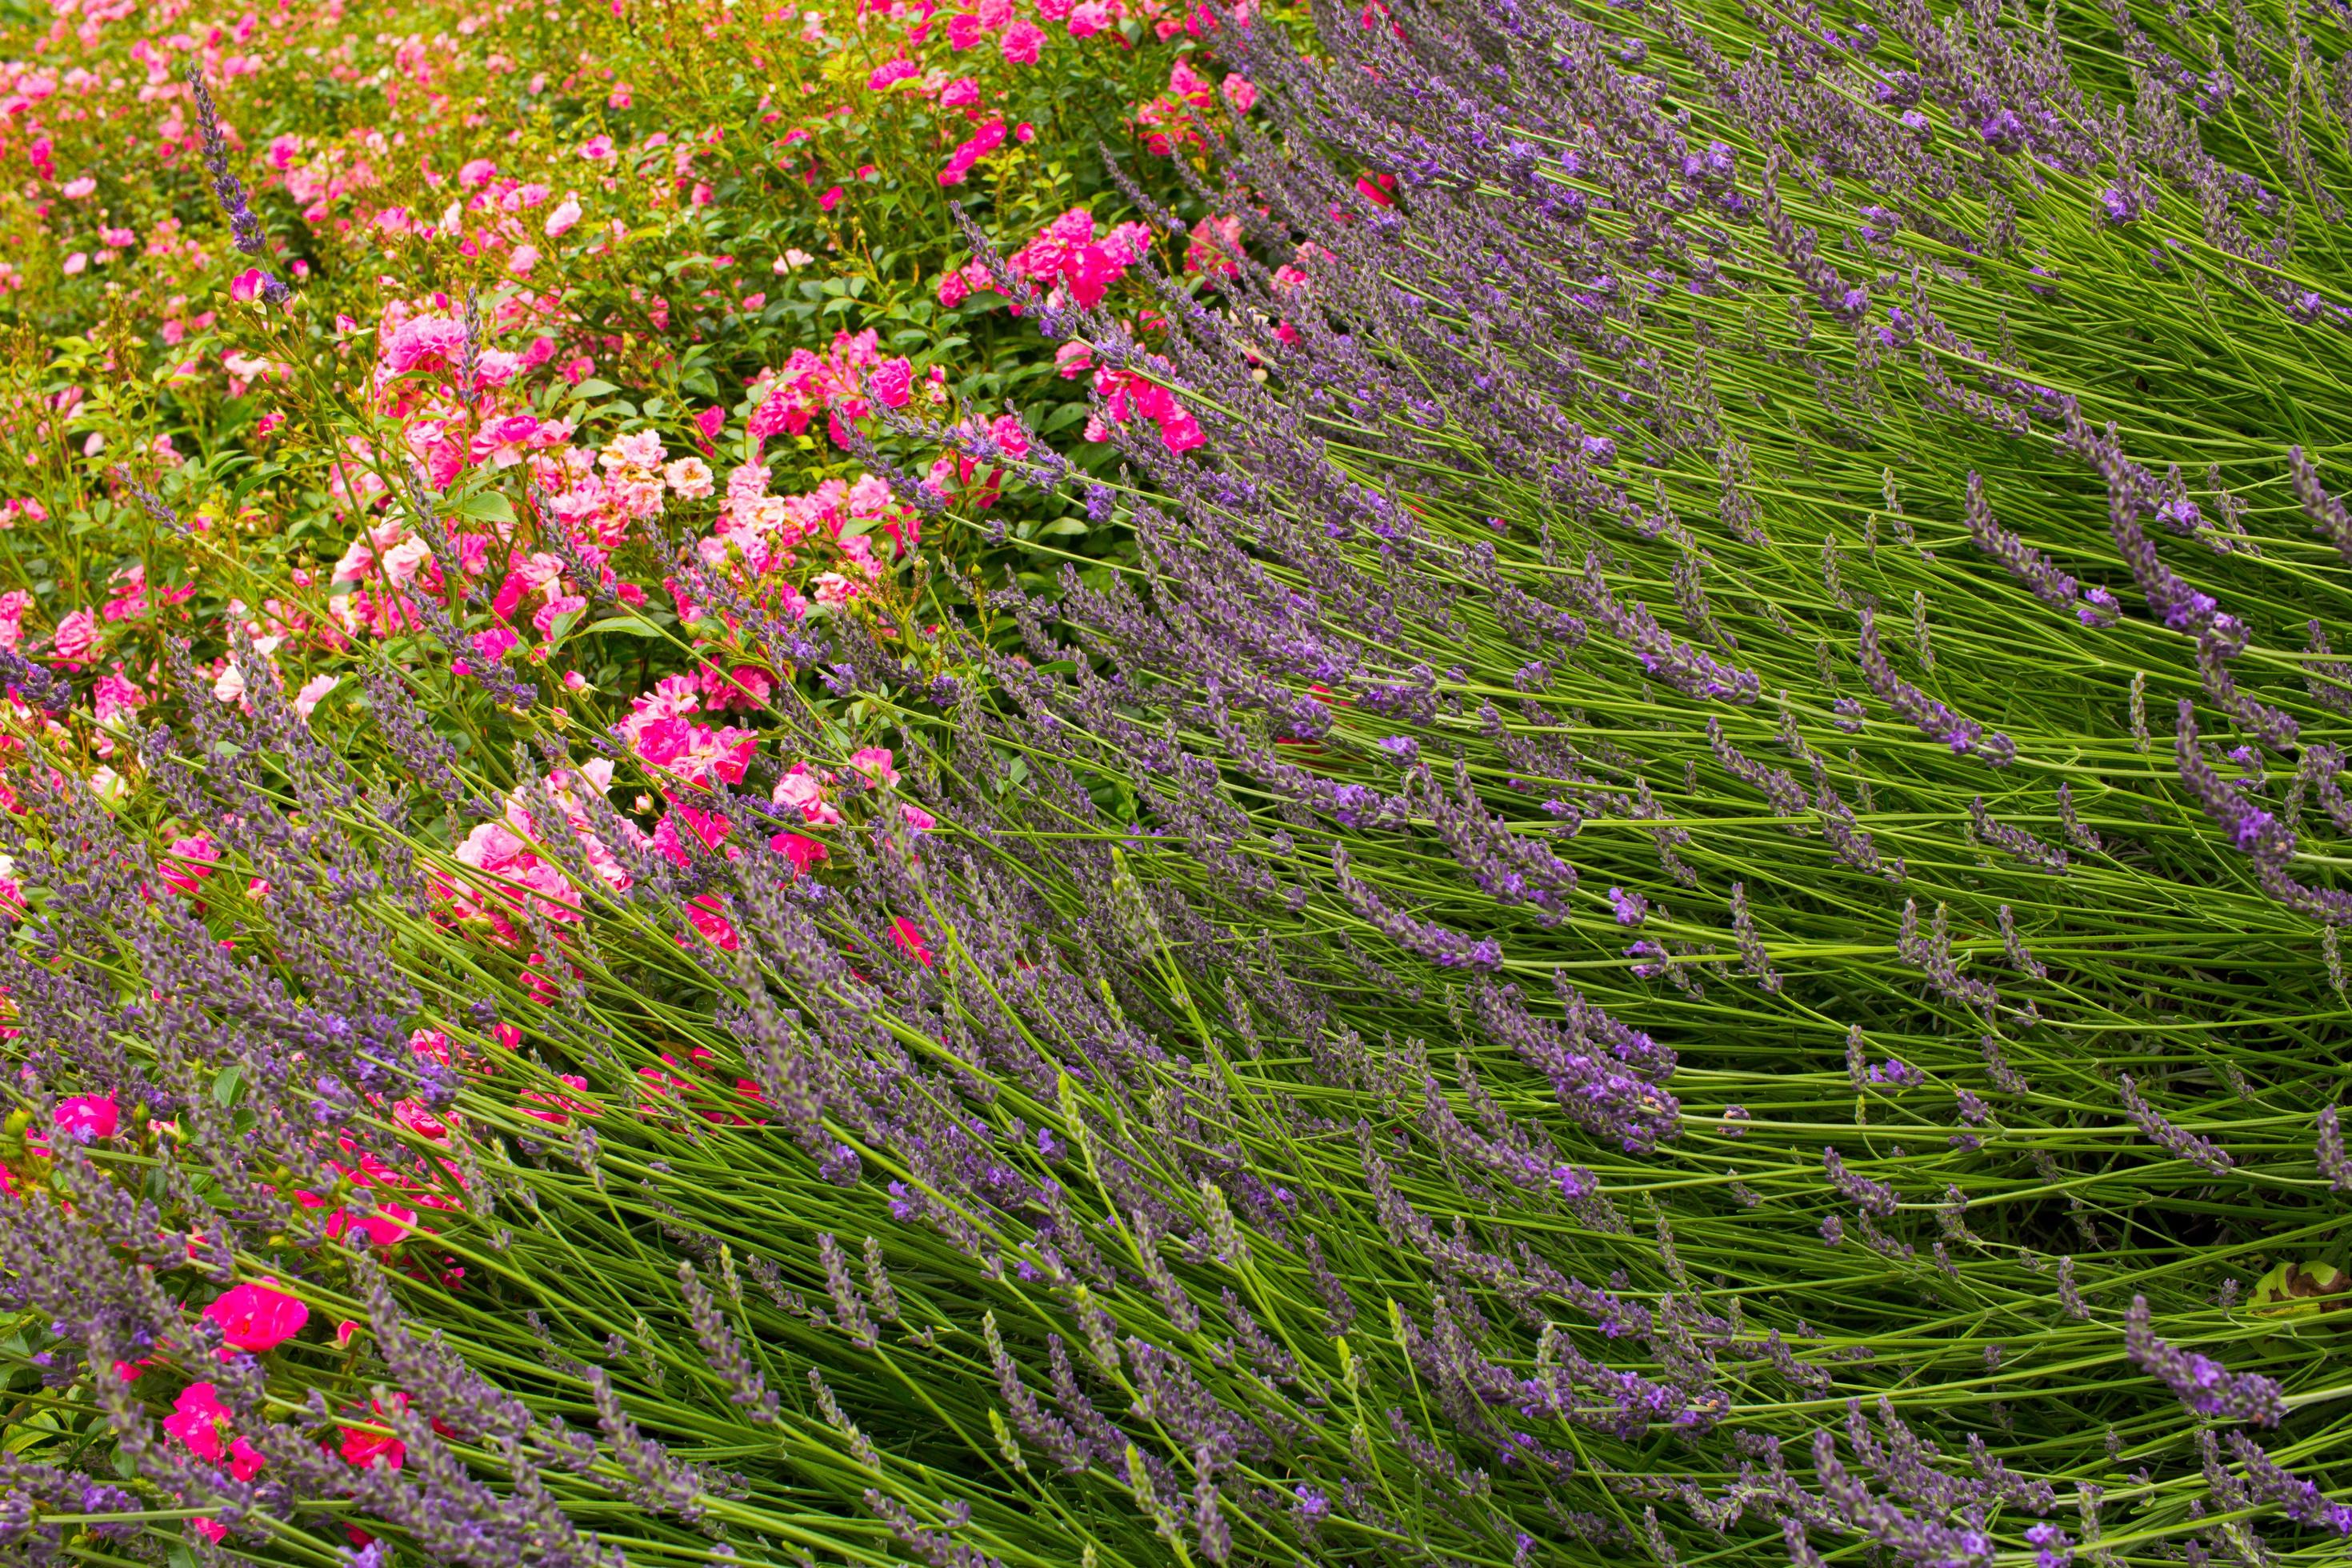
{"x": 1071, "y": 783}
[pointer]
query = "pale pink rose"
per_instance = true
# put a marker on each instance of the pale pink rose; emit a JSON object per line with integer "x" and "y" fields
{"x": 690, "y": 477}
{"x": 313, "y": 692}
{"x": 561, "y": 221}
{"x": 640, "y": 449}
{"x": 877, "y": 764}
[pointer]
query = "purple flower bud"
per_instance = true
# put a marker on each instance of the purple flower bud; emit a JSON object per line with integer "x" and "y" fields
{"x": 841, "y": 1166}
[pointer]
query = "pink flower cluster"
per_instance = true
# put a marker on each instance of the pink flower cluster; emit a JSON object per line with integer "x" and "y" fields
{"x": 1175, "y": 119}
{"x": 1067, "y": 253}
{"x": 972, "y": 150}
{"x": 257, "y": 1319}
{"x": 833, "y": 383}
{"x": 659, "y": 730}
{"x": 1129, "y": 395}
{"x": 1065, "y": 256}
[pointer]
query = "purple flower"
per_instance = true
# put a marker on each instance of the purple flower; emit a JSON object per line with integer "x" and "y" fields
{"x": 2098, "y": 608}
{"x": 2202, "y": 1384}
{"x": 2054, "y": 1549}
{"x": 1650, "y": 959}
{"x": 2003, "y": 131}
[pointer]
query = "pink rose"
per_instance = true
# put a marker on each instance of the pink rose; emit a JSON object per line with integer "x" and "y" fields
{"x": 909, "y": 937}
{"x": 877, "y": 764}
{"x": 1021, "y": 42}
{"x": 802, "y": 851}
{"x": 77, "y": 637}
{"x": 85, "y": 1116}
{"x": 196, "y": 1420}
{"x": 894, "y": 383}
{"x": 190, "y": 862}
{"x": 257, "y": 1318}
{"x": 1090, "y": 271}
{"x": 1011, "y": 437}
{"x": 361, "y": 1448}
{"x": 496, "y": 643}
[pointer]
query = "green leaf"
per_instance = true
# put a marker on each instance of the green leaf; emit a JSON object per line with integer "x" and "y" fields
{"x": 592, "y": 387}
{"x": 487, "y": 506}
{"x": 628, "y": 625}
{"x": 227, "y": 1085}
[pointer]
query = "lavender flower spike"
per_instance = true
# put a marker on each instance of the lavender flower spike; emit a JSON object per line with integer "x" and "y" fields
{"x": 2333, "y": 1162}
{"x": 2202, "y": 1384}
{"x": 1963, "y": 734}
{"x": 243, "y": 227}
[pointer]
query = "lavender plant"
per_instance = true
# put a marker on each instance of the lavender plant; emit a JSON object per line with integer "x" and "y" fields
{"x": 1350, "y": 1040}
